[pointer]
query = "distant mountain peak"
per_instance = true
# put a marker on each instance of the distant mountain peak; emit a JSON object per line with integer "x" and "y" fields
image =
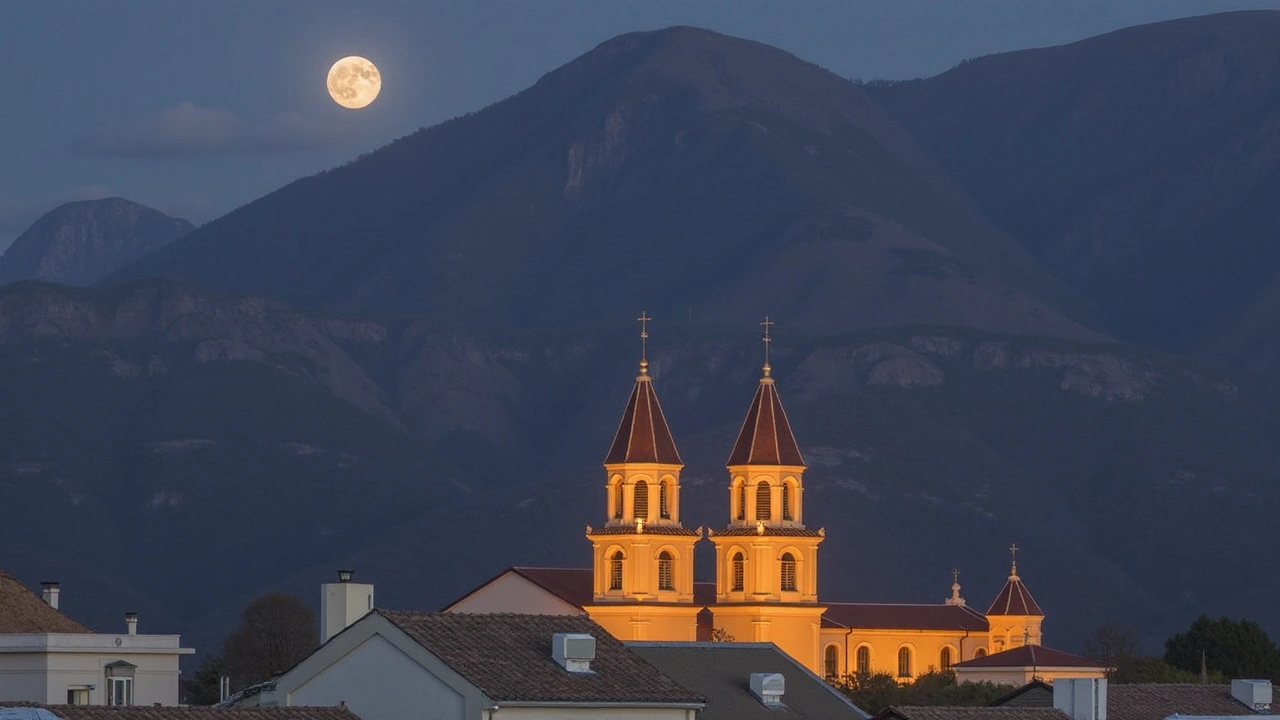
{"x": 81, "y": 242}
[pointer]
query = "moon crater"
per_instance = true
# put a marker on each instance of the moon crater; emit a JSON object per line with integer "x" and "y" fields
{"x": 354, "y": 82}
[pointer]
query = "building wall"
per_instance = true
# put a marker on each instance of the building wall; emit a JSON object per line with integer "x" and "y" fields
{"x": 45, "y": 677}
{"x": 925, "y": 647}
{"x": 794, "y": 629}
{"x": 22, "y": 678}
{"x": 515, "y": 712}
{"x": 647, "y": 622}
{"x": 379, "y": 682}
{"x": 513, "y": 593}
{"x": 1022, "y": 676}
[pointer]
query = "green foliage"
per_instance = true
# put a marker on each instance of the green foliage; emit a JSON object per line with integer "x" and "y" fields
{"x": 1233, "y": 648}
{"x": 204, "y": 687}
{"x": 1113, "y": 643}
{"x": 1145, "y": 669}
{"x": 874, "y": 692}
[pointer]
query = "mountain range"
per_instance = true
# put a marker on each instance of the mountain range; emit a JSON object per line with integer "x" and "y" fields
{"x": 1026, "y": 300}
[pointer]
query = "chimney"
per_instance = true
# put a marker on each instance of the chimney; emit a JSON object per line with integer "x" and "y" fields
{"x": 1081, "y": 699}
{"x": 131, "y": 622}
{"x": 573, "y": 651}
{"x": 343, "y": 603}
{"x": 1255, "y": 694}
{"x": 769, "y": 688}
{"x": 50, "y": 590}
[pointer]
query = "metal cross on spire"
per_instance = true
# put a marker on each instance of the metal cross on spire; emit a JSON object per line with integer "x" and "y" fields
{"x": 644, "y": 321}
{"x": 955, "y": 575}
{"x": 767, "y": 340}
{"x": 1013, "y": 552}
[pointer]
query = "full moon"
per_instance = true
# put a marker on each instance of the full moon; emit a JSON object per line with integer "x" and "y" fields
{"x": 354, "y": 82}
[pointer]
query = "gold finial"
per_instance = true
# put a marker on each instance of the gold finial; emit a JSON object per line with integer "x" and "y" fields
{"x": 644, "y": 321}
{"x": 767, "y": 340}
{"x": 1013, "y": 552}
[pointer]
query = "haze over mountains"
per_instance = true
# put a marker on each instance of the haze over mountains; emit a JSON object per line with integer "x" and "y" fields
{"x": 963, "y": 268}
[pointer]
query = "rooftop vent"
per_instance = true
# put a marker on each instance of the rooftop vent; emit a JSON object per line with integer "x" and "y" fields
{"x": 50, "y": 590}
{"x": 1081, "y": 698}
{"x": 1255, "y": 694}
{"x": 573, "y": 651}
{"x": 769, "y": 687}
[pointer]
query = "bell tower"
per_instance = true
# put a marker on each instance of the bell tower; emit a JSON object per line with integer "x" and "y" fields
{"x": 643, "y": 555}
{"x": 766, "y": 559}
{"x": 1014, "y": 616}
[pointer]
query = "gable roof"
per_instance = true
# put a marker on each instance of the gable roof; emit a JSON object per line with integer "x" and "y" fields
{"x": 971, "y": 713}
{"x": 1156, "y": 701}
{"x": 508, "y": 657}
{"x": 210, "y": 712}
{"x": 1036, "y": 693}
{"x": 721, "y": 672}
{"x": 1014, "y": 599}
{"x": 903, "y": 617}
{"x": 643, "y": 435}
{"x": 766, "y": 437}
{"x": 576, "y": 585}
{"x": 1025, "y": 656}
{"x": 22, "y": 611}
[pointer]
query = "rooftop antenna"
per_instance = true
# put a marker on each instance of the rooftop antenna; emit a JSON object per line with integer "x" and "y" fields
{"x": 644, "y": 321}
{"x": 767, "y": 340}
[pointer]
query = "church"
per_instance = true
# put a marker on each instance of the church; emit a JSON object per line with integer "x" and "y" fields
{"x": 641, "y": 584}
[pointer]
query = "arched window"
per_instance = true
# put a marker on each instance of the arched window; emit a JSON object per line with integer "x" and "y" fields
{"x": 615, "y": 571}
{"x": 863, "y": 659}
{"x": 664, "y": 571}
{"x": 831, "y": 663}
{"x": 786, "y": 501}
{"x": 663, "y": 512}
{"x": 617, "y": 501}
{"x": 742, "y": 502}
{"x": 739, "y": 571}
{"x": 904, "y": 662}
{"x": 944, "y": 659}
{"x": 980, "y": 653}
{"x": 642, "y": 500}
{"x": 763, "y": 511}
{"x": 788, "y": 572}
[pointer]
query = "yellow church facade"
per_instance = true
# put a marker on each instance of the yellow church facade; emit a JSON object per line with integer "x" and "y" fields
{"x": 641, "y": 584}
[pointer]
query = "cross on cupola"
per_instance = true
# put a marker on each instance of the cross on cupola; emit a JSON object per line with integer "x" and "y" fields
{"x": 768, "y": 340}
{"x": 644, "y": 321}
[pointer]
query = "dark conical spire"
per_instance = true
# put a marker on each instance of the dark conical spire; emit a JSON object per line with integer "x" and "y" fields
{"x": 766, "y": 438}
{"x": 1014, "y": 597}
{"x": 643, "y": 435}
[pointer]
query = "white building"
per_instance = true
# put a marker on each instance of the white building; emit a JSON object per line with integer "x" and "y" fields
{"x": 48, "y": 658}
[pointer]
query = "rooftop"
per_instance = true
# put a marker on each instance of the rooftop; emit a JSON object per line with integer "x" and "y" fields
{"x": 1157, "y": 701}
{"x": 1031, "y": 656}
{"x": 971, "y": 713}
{"x": 22, "y": 611}
{"x": 903, "y": 617}
{"x": 643, "y": 435}
{"x": 1014, "y": 599}
{"x": 721, "y": 672}
{"x": 766, "y": 437}
{"x": 151, "y": 712}
{"x": 508, "y": 657}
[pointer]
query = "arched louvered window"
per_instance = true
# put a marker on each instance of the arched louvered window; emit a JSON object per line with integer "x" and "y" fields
{"x": 615, "y": 571}
{"x": 742, "y": 501}
{"x": 831, "y": 663}
{"x": 904, "y": 662}
{"x": 786, "y": 501}
{"x": 763, "y": 502}
{"x": 863, "y": 659}
{"x": 788, "y": 572}
{"x": 642, "y": 500}
{"x": 617, "y": 501}
{"x": 739, "y": 571}
{"x": 944, "y": 659}
{"x": 665, "y": 581}
{"x": 663, "y": 511}
{"x": 980, "y": 653}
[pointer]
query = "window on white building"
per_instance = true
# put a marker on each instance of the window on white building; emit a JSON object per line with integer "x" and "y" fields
{"x": 120, "y": 691}
{"x": 78, "y": 695}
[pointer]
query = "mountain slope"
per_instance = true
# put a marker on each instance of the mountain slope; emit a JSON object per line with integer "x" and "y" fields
{"x": 79, "y": 243}
{"x": 698, "y": 175}
{"x": 1141, "y": 166}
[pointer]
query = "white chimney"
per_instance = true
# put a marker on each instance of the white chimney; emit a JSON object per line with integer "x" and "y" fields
{"x": 573, "y": 651}
{"x": 50, "y": 590}
{"x": 1256, "y": 694}
{"x": 131, "y": 622}
{"x": 769, "y": 687}
{"x": 343, "y": 603}
{"x": 1082, "y": 698}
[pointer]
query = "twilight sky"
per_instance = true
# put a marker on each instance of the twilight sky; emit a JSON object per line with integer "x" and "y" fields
{"x": 196, "y": 108}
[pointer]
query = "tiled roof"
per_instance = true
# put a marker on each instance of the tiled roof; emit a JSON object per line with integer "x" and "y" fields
{"x": 22, "y": 611}
{"x": 1036, "y": 693}
{"x": 903, "y": 617}
{"x": 152, "y": 712}
{"x": 766, "y": 438}
{"x": 575, "y": 585}
{"x": 971, "y": 713}
{"x": 721, "y": 672}
{"x": 654, "y": 529}
{"x": 643, "y": 435}
{"x": 1159, "y": 701}
{"x": 1014, "y": 599}
{"x": 774, "y": 530}
{"x": 1031, "y": 656}
{"x": 508, "y": 657}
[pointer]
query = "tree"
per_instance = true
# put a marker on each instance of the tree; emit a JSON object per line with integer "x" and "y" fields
{"x": 874, "y": 692}
{"x": 1152, "y": 670}
{"x": 721, "y": 635}
{"x": 205, "y": 686}
{"x": 277, "y": 630}
{"x": 1233, "y": 648}
{"x": 1113, "y": 644}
